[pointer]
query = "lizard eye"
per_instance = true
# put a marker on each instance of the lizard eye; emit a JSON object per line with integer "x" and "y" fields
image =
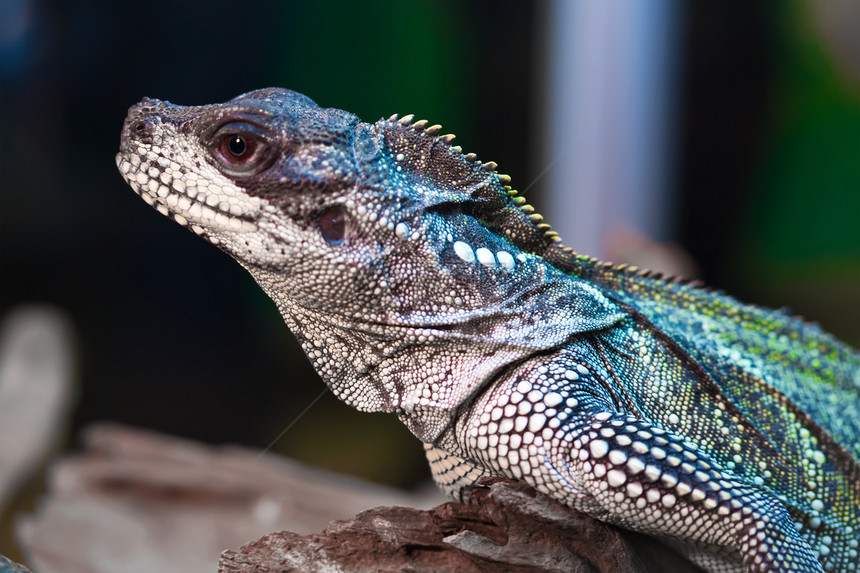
{"x": 241, "y": 148}
{"x": 332, "y": 224}
{"x": 235, "y": 149}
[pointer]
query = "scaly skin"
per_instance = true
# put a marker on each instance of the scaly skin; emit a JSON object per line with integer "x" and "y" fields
{"x": 418, "y": 283}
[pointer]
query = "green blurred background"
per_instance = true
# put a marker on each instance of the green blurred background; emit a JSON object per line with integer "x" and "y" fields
{"x": 176, "y": 337}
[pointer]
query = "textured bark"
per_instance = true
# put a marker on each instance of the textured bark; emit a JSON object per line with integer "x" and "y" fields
{"x": 136, "y": 501}
{"x": 506, "y": 526}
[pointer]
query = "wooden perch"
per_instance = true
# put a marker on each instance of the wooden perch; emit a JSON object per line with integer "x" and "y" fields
{"x": 506, "y": 526}
{"x": 137, "y": 501}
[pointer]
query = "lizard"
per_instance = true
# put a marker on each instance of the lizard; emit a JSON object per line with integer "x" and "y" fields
{"x": 420, "y": 283}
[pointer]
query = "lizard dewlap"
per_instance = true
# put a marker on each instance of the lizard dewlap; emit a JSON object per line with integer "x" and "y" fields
{"x": 419, "y": 283}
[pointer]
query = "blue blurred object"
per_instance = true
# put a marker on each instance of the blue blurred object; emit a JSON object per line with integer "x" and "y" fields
{"x": 610, "y": 120}
{"x": 9, "y": 566}
{"x": 16, "y": 36}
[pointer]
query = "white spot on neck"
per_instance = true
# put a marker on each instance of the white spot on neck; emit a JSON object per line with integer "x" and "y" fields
{"x": 485, "y": 257}
{"x": 402, "y": 231}
{"x": 506, "y": 260}
{"x": 464, "y": 251}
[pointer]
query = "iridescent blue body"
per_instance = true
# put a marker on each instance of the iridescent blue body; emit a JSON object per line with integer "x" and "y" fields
{"x": 419, "y": 283}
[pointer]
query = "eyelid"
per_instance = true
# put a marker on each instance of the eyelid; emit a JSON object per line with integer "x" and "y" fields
{"x": 239, "y": 128}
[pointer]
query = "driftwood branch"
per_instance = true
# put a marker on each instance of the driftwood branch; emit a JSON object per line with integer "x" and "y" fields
{"x": 136, "y": 501}
{"x": 506, "y": 526}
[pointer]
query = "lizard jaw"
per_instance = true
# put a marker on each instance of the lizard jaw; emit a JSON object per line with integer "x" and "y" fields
{"x": 173, "y": 195}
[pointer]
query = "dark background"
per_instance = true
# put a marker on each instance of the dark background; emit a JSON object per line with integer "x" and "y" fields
{"x": 174, "y": 336}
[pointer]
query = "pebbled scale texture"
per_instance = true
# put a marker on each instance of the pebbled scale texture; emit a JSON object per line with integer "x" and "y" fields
{"x": 420, "y": 283}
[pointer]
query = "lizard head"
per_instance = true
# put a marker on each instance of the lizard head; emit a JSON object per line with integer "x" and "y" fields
{"x": 330, "y": 208}
{"x": 224, "y": 170}
{"x": 374, "y": 238}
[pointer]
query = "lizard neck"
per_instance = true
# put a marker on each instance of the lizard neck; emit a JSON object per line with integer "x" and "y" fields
{"x": 425, "y": 371}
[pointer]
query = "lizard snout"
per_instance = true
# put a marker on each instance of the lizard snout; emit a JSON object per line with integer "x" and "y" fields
{"x": 141, "y": 121}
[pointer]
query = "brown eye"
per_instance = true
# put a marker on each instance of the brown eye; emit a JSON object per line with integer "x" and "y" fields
{"x": 237, "y": 149}
{"x": 332, "y": 224}
{"x": 242, "y": 149}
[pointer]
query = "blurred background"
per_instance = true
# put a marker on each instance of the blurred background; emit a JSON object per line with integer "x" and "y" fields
{"x": 719, "y": 139}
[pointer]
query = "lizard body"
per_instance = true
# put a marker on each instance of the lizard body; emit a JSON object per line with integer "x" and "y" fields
{"x": 419, "y": 283}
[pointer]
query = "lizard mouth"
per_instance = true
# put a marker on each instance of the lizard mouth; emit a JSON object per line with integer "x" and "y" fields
{"x": 185, "y": 198}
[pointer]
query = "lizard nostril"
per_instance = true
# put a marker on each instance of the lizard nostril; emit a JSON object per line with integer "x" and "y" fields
{"x": 141, "y": 130}
{"x": 142, "y": 127}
